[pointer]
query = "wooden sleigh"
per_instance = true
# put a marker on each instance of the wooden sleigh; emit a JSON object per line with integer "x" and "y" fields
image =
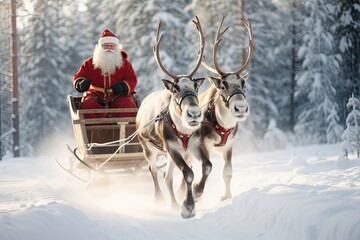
{"x": 102, "y": 142}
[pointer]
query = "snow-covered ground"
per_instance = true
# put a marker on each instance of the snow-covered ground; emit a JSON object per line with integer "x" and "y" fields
{"x": 307, "y": 193}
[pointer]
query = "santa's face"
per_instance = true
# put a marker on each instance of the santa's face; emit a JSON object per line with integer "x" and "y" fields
{"x": 107, "y": 57}
{"x": 109, "y": 47}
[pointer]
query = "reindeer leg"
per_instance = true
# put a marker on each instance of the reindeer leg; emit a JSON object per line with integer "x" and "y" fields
{"x": 182, "y": 188}
{"x": 181, "y": 191}
{"x": 169, "y": 176}
{"x": 151, "y": 157}
{"x": 206, "y": 169}
{"x": 188, "y": 207}
{"x": 227, "y": 173}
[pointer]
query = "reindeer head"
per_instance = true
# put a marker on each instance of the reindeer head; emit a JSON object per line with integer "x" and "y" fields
{"x": 184, "y": 88}
{"x": 231, "y": 85}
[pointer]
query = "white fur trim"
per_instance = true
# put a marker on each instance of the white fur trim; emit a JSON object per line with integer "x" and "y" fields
{"x": 108, "y": 40}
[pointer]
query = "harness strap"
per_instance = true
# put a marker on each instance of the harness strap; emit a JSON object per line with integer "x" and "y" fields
{"x": 183, "y": 96}
{"x": 227, "y": 100}
{"x": 158, "y": 146}
{"x": 220, "y": 130}
{"x": 165, "y": 116}
{"x": 184, "y": 137}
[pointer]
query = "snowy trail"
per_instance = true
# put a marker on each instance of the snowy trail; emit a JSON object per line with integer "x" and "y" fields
{"x": 30, "y": 209}
{"x": 299, "y": 193}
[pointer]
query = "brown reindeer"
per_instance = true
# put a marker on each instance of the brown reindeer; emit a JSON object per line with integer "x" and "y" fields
{"x": 175, "y": 131}
{"x": 224, "y": 105}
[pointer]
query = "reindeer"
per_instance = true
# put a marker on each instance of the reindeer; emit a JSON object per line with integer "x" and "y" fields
{"x": 175, "y": 131}
{"x": 224, "y": 106}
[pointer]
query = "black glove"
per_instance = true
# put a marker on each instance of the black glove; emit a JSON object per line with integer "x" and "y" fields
{"x": 83, "y": 85}
{"x": 120, "y": 88}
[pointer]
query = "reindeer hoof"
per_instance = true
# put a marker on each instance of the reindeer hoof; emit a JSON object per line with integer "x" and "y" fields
{"x": 187, "y": 211}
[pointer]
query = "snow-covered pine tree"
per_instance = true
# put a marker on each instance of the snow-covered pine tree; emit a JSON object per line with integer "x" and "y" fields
{"x": 346, "y": 28}
{"x": 334, "y": 129}
{"x": 351, "y": 135}
{"x": 320, "y": 69}
{"x": 267, "y": 86}
{"x": 42, "y": 91}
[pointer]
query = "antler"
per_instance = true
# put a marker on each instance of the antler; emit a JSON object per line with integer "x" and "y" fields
{"x": 207, "y": 66}
{"x": 218, "y": 39}
{"x": 202, "y": 46}
{"x": 201, "y": 51}
{"x": 156, "y": 52}
{"x": 250, "y": 47}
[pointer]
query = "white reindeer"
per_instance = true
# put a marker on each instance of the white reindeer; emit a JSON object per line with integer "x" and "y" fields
{"x": 226, "y": 105}
{"x": 176, "y": 133}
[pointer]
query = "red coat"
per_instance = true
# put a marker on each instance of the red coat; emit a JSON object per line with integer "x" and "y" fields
{"x": 95, "y": 96}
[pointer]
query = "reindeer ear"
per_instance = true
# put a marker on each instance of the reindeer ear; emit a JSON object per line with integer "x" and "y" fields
{"x": 215, "y": 81}
{"x": 169, "y": 85}
{"x": 245, "y": 76}
{"x": 198, "y": 82}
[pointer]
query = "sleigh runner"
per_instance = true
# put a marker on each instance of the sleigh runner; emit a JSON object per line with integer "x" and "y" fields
{"x": 106, "y": 143}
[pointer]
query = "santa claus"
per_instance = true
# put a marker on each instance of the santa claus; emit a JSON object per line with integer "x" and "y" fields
{"x": 107, "y": 78}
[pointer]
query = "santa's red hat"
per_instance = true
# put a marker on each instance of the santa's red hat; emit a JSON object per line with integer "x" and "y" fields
{"x": 108, "y": 37}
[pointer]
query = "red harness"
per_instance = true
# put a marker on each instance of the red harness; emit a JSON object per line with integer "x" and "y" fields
{"x": 220, "y": 130}
{"x": 184, "y": 137}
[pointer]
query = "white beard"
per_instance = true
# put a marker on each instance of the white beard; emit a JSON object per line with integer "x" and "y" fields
{"x": 107, "y": 60}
